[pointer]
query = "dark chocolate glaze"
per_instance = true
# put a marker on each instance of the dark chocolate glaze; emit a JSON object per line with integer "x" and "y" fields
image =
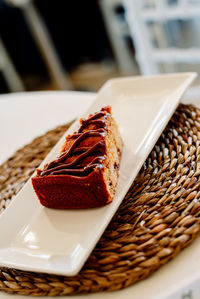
{"x": 92, "y": 120}
{"x": 77, "y": 167}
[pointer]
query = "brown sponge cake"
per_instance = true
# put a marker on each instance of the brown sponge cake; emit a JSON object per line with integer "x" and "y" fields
{"x": 86, "y": 172}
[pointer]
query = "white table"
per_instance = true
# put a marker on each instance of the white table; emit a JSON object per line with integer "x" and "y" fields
{"x": 23, "y": 116}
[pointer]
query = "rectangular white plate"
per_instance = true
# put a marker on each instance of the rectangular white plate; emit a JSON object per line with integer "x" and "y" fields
{"x": 53, "y": 241}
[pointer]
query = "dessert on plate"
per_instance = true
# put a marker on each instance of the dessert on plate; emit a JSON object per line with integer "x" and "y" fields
{"x": 85, "y": 173}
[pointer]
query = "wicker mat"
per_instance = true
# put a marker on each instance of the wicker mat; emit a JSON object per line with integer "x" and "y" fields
{"x": 158, "y": 218}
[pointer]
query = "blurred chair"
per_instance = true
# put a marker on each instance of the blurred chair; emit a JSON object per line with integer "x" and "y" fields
{"x": 118, "y": 33}
{"x": 43, "y": 40}
{"x": 8, "y": 70}
{"x": 148, "y": 20}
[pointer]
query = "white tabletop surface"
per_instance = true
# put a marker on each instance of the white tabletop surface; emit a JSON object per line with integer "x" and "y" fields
{"x": 24, "y": 116}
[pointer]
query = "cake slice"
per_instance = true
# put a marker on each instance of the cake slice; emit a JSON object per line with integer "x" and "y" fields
{"x": 86, "y": 172}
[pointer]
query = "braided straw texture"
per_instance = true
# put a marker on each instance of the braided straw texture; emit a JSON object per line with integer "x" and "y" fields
{"x": 159, "y": 216}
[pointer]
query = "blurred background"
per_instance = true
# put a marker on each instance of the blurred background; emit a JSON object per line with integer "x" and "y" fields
{"x": 78, "y": 45}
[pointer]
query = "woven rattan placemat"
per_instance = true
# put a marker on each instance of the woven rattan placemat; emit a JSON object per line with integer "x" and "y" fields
{"x": 159, "y": 216}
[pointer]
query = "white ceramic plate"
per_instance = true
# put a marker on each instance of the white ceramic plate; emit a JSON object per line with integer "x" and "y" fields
{"x": 53, "y": 241}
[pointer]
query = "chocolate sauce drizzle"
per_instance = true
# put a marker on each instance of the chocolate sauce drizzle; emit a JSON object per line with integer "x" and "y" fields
{"x": 77, "y": 167}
